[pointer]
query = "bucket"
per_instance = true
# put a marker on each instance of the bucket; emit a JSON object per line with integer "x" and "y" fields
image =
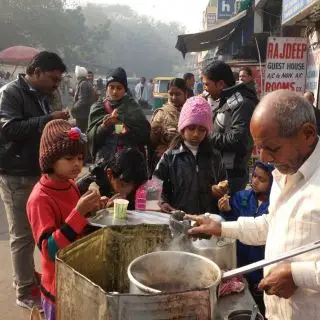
{"x": 173, "y": 272}
{"x": 243, "y": 315}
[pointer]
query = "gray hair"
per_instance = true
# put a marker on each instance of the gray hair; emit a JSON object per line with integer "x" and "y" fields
{"x": 291, "y": 112}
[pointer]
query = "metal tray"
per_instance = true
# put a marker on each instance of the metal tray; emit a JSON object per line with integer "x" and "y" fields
{"x": 104, "y": 218}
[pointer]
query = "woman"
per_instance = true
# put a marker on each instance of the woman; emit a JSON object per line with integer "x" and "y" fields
{"x": 116, "y": 122}
{"x": 164, "y": 123}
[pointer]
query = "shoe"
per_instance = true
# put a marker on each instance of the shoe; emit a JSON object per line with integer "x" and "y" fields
{"x": 37, "y": 277}
{"x": 33, "y": 299}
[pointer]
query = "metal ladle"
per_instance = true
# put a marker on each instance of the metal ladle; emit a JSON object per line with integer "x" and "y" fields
{"x": 254, "y": 313}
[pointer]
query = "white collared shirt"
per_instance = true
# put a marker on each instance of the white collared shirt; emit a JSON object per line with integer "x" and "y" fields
{"x": 293, "y": 221}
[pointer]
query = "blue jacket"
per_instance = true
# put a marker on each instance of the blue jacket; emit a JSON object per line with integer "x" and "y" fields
{"x": 245, "y": 204}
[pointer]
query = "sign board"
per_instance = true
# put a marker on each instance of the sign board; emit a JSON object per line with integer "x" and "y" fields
{"x": 226, "y": 9}
{"x": 286, "y": 64}
{"x": 290, "y": 8}
{"x": 211, "y": 20}
{"x": 313, "y": 74}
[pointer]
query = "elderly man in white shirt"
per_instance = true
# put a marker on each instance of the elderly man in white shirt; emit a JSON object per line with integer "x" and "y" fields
{"x": 284, "y": 130}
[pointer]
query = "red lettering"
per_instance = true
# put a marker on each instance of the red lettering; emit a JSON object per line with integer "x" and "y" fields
{"x": 304, "y": 50}
{"x": 276, "y": 51}
{"x": 270, "y": 50}
{"x": 294, "y": 51}
{"x": 280, "y": 85}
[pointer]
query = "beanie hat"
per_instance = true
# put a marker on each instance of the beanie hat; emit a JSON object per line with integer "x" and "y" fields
{"x": 81, "y": 72}
{"x": 60, "y": 139}
{"x": 118, "y": 75}
{"x": 196, "y": 111}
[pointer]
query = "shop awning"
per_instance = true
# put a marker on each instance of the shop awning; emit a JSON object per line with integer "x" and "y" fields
{"x": 206, "y": 40}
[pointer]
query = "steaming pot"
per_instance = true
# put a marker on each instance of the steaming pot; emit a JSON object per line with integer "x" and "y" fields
{"x": 175, "y": 271}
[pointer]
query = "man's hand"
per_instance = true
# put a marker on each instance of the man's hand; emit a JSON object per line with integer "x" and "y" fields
{"x": 166, "y": 207}
{"x": 204, "y": 225}
{"x": 218, "y": 192}
{"x": 64, "y": 115}
{"x": 279, "y": 282}
{"x": 224, "y": 204}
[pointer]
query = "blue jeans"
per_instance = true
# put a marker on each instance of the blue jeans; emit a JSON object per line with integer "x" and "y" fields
{"x": 14, "y": 192}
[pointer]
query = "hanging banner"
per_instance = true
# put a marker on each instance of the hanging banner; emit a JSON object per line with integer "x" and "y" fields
{"x": 313, "y": 74}
{"x": 286, "y": 64}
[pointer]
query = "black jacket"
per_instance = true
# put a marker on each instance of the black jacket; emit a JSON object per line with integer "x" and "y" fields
{"x": 187, "y": 179}
{"x": 22, "y": 120}
{"x": 231, "y": 121}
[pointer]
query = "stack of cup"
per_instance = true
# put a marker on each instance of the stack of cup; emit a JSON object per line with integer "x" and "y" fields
{"x": 120, "y": 208}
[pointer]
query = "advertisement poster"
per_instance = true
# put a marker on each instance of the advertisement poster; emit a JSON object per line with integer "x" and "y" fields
{"x": 286, "y": 64}
{"x": 290, "y": 8}
{"x": 313, "y": 74}
{"x": 226, "y": 9}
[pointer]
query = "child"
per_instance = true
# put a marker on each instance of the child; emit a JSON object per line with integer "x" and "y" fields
{"x": 123, "y": 175}
{"x": 191, "y": 166}
{"x": 55, "y": 210}
{"x": 250, "y": 203}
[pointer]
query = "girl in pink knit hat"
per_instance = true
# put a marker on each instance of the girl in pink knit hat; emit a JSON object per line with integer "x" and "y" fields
{"x": 191, "y": 166}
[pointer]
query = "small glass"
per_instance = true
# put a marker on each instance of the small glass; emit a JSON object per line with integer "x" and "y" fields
{"x": 120, "y": 208}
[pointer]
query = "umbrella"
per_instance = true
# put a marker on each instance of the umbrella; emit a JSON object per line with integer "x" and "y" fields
{"x": 18, "y": 54}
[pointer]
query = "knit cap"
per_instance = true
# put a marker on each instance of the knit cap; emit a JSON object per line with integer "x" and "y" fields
{"x": 118, "y": 75}
{"x": 60, "y": 139}
{"x": 196, "y": 111}
{"x": 80, "y": 72}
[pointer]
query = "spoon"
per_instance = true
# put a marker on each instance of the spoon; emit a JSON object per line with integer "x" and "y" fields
{"x": 254, "y": 312}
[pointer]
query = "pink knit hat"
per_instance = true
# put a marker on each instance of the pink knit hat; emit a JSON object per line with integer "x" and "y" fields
{"x": 196, "y": 111}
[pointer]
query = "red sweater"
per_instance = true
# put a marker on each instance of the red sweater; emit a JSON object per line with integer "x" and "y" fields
{"x": 55, "y": 223}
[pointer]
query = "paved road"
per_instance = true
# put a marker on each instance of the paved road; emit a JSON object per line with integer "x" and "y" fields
{"x": 8, "y": 308}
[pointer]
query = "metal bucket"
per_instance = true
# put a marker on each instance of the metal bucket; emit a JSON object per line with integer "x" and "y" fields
{"x": 243, "y": 315}
{"x": 223, "y": 252}
{"x": 172, "y": 272}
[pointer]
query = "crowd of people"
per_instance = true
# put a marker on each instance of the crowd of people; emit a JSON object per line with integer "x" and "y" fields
{"x": 193, "y": 144}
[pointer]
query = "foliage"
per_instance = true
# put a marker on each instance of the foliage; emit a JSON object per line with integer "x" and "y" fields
{"x": 99, "y": 37}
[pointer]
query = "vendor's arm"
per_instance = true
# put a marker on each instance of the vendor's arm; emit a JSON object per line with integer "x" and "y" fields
{"x": 306, "y": 274}
{"x": 251, "y": 231}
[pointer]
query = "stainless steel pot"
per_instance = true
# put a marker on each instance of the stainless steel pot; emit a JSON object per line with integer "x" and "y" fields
{"x": 174, "y": 271}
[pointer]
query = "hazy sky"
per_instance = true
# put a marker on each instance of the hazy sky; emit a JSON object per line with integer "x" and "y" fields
{"x": 186, "y": 12}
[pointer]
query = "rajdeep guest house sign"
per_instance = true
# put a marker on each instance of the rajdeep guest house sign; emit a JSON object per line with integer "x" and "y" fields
{"x": 286, "y": 64}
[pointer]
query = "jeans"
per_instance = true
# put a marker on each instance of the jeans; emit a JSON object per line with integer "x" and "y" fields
{"x": 14, "y": 192}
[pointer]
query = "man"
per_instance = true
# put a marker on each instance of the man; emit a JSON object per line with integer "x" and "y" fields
{"x": 190, "y": 81}
{"x": 91, "y": 77}
{"x": 141, "y": 93}
{"x": 83, "y": 99}
{"x": 232, "y": 107}
{"x": 24, "y": 111}
{"x": 310, "y": 97}
{"x": 284, "y": 130}
{"x": 246, "y": 76}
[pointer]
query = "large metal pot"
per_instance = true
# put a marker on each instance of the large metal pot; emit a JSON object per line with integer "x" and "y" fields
{"x": 223, "y": 251}
{"x": 172, "y": 272}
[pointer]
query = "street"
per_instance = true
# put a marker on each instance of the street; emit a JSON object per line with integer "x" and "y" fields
{"x": 8, "y": 308}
